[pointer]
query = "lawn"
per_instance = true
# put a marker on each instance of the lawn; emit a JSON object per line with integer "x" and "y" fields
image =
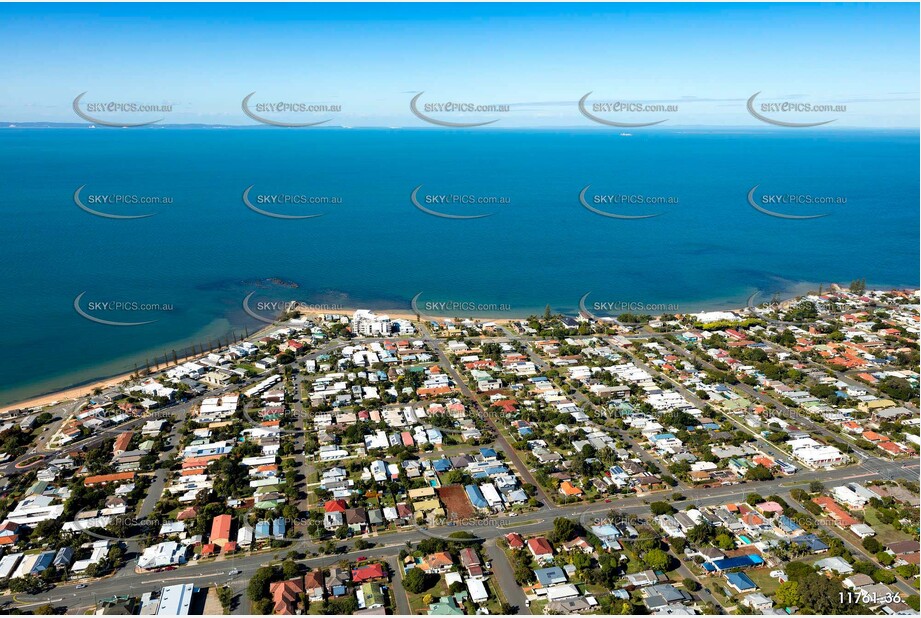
{"x": 717, "y": 587}
{"x": 496, "y": 598}
{"x": 766, "y": 584}
{"x": 885, "y": 533}
{"x": 416, "y": 603}
{"x": 537, "y": 607}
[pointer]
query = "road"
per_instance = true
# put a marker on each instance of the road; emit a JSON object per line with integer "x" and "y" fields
{"x": 782, "y": 410}
{"x": 904, "y": 587}
{"x": 504, "y": 578}
{"x": 399, "y": 593}
{"x": 703, "y": 595}
{"x": 766, "y": 446}
{"x": 214, "y": 573}
{"x": 60, "y": 411}
{"x": 523, "y": 471}
{"x": 584, "y": 401}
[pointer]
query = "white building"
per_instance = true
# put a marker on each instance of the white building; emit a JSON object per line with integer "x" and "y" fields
{"x": 163, "y": 554}
{"x": 379, "y": 470}
{"x": 849, "y": 497}
{"x": 369, "y": 324}
{"x": 176, "y": 600}
{"x": 152, "y": 388}
{"x": 816, "y": 455}
{"x": 8, "y": 564}
{"x": 477, "y": 590}
{"x": 217, "y": 408}
{"x": 35, "y": 509}
{"x": 492, "y": 496}
{"x": 100, "y": 551}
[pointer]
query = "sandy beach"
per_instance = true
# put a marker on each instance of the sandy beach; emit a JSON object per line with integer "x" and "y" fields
{"x": 403, "y": 314}
{"x": 84, "y": 390}
{"x": 70, "y": 394}
{"x": 80, "y": 391}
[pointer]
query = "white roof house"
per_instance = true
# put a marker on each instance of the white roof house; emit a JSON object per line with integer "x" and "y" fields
{"x": 477, "y": 590}
{"x": 491, "y": 494}
{"x": 162, "y": 554}
{"x": 8, "y": 563}
{"x": 176, "y": 600}
{"x": 815, "y": 454}
{"x": 35, "y": 509}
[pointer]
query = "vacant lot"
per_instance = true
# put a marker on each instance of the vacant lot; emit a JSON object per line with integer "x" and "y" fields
{"x": 885, "y": 533}
{"x": 457, "y": 505}
{"x": 766, "y": 583}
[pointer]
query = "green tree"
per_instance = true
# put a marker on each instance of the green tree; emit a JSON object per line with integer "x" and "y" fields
{"x": 523, "y": 574}
{"x": 416, "y": 581}
{"x": 225, "y": 596}
{"x": 342, "y": 607}
{"x": 758, "y": 473}
{"x": 897, "y": 388}
{"x": 581, "y": 561}
{"x": 725, "y": 542}
{"x": 787, "y": 594}
{"x": 661, "y": 508}
{"x": 883, "y": 576}
{"x": 30, "y": 584}
{"x": 701, "y": 534}
{"x": 564, "y": 529}
{"x": 290, "y": 569}
{"x": 453, "y": 477}
{"x": 457, "y": 587}
{"x": 657, "y": 560}
{"x": 872, "y": 545}
{"x": 258, "y": 587}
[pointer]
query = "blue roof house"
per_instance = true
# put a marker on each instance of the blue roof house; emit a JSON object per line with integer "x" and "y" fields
{"x": 740, "y": 582}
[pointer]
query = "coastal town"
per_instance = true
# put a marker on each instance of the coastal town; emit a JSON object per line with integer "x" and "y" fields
{"x": 757, "y": 460}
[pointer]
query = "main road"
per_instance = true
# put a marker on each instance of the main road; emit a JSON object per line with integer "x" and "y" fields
{"x": 215, "y": 573}
{"x": 507, "y": 448}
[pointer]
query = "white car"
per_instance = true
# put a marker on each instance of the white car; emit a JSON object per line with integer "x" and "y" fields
{"x": 778, "y": 574}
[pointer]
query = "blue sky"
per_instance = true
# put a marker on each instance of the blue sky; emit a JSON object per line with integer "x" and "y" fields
{"x": 539, "y": 58}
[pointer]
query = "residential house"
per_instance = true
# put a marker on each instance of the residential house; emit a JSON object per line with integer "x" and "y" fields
{"x": 541, "y": 549}
{"x": 285, "y": 595}
{"x": 314, "y": 586}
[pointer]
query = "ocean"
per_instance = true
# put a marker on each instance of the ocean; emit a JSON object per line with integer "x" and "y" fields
{"x": 187, "y": 268}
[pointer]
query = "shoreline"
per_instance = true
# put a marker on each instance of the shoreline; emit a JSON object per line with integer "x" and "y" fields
{"x": 78, "y": 391}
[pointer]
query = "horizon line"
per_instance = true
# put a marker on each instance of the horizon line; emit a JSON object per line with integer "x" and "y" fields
{"x": 37, "y": 124}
